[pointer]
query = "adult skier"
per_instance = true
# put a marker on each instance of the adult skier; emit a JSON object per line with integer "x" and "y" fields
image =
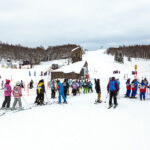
{"x": 142, "y": 90}
{"x": 61, "y": 92}
{"x": 128, "y": 87}
{"x": 7, "y": 94}
{"x": 98, "y": 90}
{"x": 17, "y": 92}
{"x": 112, "y": 88}
{"x": 40, "y": 93}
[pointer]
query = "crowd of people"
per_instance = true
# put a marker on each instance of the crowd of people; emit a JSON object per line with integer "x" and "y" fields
{"x": 132, "y": 88}
{"x": 55, "y": 85}
{"x": 75, "y": 87}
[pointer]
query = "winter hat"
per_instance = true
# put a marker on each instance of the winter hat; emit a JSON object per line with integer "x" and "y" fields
{"x": 7, "y": 81}
{"x": 18, "y": 83}
{"x": 41, "y": 81}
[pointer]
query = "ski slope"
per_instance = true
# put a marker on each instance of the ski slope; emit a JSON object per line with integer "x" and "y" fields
{"x": 80, "y": 124}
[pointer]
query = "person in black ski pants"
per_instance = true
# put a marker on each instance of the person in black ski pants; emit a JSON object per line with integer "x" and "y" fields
{"x": 112, "y": 88}
{"x": 98, "y": 90}
{"x": 65, "y": 86}
{"x": 40, "y": 93}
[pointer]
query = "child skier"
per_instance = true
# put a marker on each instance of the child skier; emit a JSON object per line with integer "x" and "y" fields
{"x": 142, "y": 90}
{"x": 52, "y": 85}
{"x": 74, "y": 88}
{"x": 7, "y": 93}
{"x": 85, "y": 87}
{"x": 133, "y": 87}
{"x": 90, "y": 87}
{"x": 17, "y": 95}
{"x": 65, "y": 86}
{"x": 128, "y": 87}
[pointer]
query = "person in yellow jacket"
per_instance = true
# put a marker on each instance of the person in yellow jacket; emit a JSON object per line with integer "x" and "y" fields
{"x": 40, "y": 93}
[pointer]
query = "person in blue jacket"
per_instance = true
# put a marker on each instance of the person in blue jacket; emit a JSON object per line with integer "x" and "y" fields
{"x": 136, "y": 85}
{"x": 61, "y": 92}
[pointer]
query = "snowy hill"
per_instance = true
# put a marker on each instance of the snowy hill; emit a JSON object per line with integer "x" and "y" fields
{"x": 80, "y": 124}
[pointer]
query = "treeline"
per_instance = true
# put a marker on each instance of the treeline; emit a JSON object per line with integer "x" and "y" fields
{"x": 35, "y": 55}
{"x": 136, "y": 51}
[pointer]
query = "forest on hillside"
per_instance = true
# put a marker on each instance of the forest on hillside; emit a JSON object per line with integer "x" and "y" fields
{"x": 135, "y": 51}
{"x": 35, "y": 55}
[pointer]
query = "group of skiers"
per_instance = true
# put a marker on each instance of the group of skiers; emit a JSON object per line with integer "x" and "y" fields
{"x": 132, "y": 88}
{"x": 76, "y": 85}
{"x": 17, "y": 93}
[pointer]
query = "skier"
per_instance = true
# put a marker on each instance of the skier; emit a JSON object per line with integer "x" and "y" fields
{"x": 85, "y": 87}
{"x": 40, "y": 93}
{"x": 128, "y": 87}
{"x": 65, "y": 86}
{"x": 79, "y": 87}
{"x": 112, "y": 89}
{"x": 74, "y": 88}
{"x": 90, "y": 87}
{"x": 136, "y": 85}
{"x": 53, "y": 89}
{"x": 31, "y": 84}
{"x": 17, "y": 95}
{"x": 133, "y": 87}
{"x": 61, "y": 92}
{"x": 98, "y": 90}
{"x": 142, "y": 90}
{"x": 7, "y": 93}
{"x": 22, "y": 84}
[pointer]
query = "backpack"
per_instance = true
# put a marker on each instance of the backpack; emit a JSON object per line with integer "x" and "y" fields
{"x": 112, "y": 86}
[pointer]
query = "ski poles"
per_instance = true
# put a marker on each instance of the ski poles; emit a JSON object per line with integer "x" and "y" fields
{"x": 26, "y": 103}
{"x": 106, "y": 97}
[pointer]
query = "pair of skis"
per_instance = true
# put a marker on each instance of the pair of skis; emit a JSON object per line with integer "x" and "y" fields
{"x": 112, "y": 106}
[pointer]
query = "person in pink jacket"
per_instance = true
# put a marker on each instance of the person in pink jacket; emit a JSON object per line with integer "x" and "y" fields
{"x": 17, "y": 92}
{"x": 7, "y": 94}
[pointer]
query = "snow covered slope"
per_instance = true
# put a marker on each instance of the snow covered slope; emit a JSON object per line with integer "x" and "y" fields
{"x": 80, "y": 124}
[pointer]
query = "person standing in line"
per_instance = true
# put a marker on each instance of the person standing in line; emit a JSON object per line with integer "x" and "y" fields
{"x": 40, "y": 93}
{"x": 17, "y": 92}
{"x": 7, "y": 94}
{"x": 61, "y": 92}
{"x": 112, "y": 89}
{"x": 98, "y": 90}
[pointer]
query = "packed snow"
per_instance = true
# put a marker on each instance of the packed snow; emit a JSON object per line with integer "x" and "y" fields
{"x": 80, "y": 124}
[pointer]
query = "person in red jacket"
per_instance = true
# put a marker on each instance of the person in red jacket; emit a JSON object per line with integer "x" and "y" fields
{"x": 142, "y": 90}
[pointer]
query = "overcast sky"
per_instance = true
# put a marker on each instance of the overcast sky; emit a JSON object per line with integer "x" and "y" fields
{"x": 89, "y": 23}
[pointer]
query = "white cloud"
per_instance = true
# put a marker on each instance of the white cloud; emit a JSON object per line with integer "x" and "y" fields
{"x": 89, "y": 23}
